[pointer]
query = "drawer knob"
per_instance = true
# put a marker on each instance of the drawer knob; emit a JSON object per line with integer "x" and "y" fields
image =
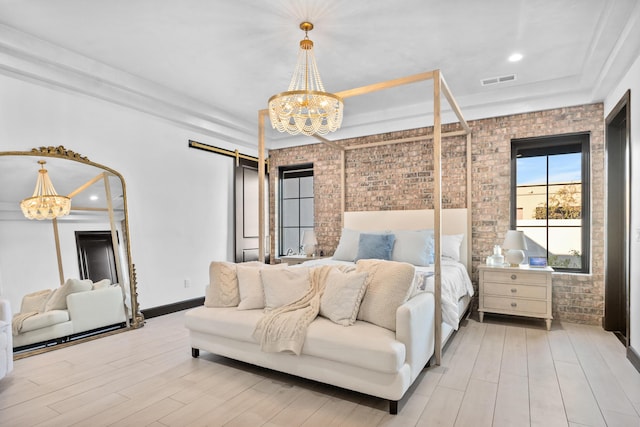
{"x": 514, "y": 290}
{"x": 514, "y": 304}
{"x": 513, "y": 277}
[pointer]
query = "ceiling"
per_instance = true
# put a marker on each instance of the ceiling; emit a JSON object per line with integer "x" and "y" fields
{"x": 67, "y": 176}
{"x": 210, "y": 65}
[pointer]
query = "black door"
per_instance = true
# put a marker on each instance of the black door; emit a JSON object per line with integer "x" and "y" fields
{"x": 616, "y": 306}
{"x": 96, "y": 258}
{"x": 246, "y": 211}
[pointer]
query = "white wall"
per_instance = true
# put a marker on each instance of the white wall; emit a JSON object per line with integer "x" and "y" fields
{"x": 632, "y": 81}
{"x": 179, "y": 198}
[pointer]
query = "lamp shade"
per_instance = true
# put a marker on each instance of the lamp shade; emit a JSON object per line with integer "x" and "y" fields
{"x": 515, "y": 243}
{"x": 309, "y": 242}
{"x": 309, "y": 238}
{"x": 515, "y": 240}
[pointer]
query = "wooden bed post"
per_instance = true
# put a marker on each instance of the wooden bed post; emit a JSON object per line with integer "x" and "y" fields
{"x": 437, "y": 206}
{"x": 469, "y": 211}
{"x": 261, "y": 165}
{"x": 56, "y": 237}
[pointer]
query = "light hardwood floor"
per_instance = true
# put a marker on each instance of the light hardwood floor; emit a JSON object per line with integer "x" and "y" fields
{"x": 497, "y": 373}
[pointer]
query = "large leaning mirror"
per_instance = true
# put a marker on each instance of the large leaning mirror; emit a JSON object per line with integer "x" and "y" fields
{"x": 67, "y": 276}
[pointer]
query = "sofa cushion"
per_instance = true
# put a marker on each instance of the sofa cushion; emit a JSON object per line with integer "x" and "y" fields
{"x": 250, "y": 285}
{"x": 223, "y": 285}
{"x": 101, "y": 284}
{"x": 364, "y": 345}
{"x": 342, "y": 296}
{"x": 225, "y": 322}
{"x": 35, "y": 301}
{"x": 58, "y": 300}
{"x": 44, "y": 320}
{"x": 389, "y": 287}
{"x": 283, "y": 286}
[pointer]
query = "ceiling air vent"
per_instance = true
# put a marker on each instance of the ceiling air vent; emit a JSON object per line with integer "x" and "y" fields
{"x": 495, "y": 80}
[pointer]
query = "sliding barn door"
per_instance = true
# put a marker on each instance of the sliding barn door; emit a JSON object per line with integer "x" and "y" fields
{"x": 246, "y": 211}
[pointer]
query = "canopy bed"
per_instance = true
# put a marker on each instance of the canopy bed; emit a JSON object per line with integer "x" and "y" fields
{"x": 407, "y": 333}
{"x": 440, "y": 88}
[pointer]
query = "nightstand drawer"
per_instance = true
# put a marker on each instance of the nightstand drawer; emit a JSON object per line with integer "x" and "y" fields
{"x": 513, "y": 290}
{"x": 524, "y": 278}
{"x": 515, "y": 305}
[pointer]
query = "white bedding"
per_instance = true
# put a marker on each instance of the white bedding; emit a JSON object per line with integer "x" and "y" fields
{"x": 455, "y": 284}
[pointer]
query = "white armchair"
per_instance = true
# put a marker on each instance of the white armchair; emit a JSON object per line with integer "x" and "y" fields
{"x": 6, "y": 339}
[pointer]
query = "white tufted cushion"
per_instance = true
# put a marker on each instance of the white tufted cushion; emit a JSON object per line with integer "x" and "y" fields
{"x": 342, "y": 295}
{"x": 283, "y": 286}
{"x": 389, "y": 287}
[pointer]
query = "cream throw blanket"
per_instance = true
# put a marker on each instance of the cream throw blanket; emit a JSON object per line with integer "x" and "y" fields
{"x": 285, "y": 328}
{"x": 18, "y": 320}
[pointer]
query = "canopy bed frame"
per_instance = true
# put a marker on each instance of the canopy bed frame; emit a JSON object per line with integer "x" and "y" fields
{"x": 440, "y": 88}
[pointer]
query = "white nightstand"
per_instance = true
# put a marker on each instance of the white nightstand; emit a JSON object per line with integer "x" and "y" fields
{"x": 298, "y": 259}
{"x": 517, "y": 291}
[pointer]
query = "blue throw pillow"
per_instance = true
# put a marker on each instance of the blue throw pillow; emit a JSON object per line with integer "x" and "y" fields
{"x": 375, "y": 246}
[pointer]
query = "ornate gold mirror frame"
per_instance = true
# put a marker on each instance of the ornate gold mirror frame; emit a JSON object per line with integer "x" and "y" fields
{"x": 134, "y": 318}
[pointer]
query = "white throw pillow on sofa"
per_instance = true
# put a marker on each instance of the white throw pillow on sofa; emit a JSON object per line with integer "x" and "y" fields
{"x": 58, "y": 300}
{"x": 250, "y": 285}
{"x": 342, "y": 296}
{"x": 390, "y": 285}
{"x": 101, "y": 284}
{"x": 283, "y": 286}
{"x": 35, "y": 301}
{"x": 223, "y": 285}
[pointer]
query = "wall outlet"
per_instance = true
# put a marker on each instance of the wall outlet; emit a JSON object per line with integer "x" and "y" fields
{"x": 187, "y": 283}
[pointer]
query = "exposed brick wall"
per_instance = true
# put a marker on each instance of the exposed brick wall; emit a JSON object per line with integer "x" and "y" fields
{"x": 400, "y": 176}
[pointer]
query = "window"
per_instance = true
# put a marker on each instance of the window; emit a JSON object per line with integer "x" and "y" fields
{"x": 550, "y": 188}
{"x": 296, "y": 206}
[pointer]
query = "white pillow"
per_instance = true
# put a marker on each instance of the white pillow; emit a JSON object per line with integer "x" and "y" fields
{"x": 250, "y": 285}
{"x": 101, "y": 284}
{"x": 223, "y": 285}
{"x": 342, "y": 296}
{"x": 347, "y": 249}
{"x": 283, "y": 286}
{"x": 58, "y": 300}
{"x": 35, "y": 301}
{"x": 451, "y": 246}
{"x": 390, "y": 285}
{"x": 413, "y": 246}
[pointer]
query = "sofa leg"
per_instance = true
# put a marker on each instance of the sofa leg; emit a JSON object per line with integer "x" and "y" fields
{"x": 393, "y": 407}
{"x": 195, "y": 352}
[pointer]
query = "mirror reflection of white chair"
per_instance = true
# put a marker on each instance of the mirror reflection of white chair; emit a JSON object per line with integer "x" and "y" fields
{"x": 6, "y": 342}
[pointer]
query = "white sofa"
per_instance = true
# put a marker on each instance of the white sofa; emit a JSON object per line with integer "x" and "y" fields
{"x": 84, "y": 311}
{"x": 6, "y": 347}
{"x": 364, "y": 357}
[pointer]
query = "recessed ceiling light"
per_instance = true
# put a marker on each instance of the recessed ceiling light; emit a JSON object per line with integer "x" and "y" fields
{"x": 515, "y": 57}
{"x": 93, "y": 197}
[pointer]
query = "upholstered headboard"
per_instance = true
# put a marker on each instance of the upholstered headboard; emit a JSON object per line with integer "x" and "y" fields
{"x": 454, "y": 221}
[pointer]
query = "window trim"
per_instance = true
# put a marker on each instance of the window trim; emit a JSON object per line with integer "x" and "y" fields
{"x": 284, "y": 172}
{"x": 550, "y": 145}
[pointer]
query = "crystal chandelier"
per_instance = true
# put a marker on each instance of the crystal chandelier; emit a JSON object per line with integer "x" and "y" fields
{"x": 306, "y": 108}
{"x": 45, "y": 202}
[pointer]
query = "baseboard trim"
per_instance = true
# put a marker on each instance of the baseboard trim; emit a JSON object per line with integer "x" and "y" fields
{"x": 634, "y": 358}
{"x": 172, "y": 308}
